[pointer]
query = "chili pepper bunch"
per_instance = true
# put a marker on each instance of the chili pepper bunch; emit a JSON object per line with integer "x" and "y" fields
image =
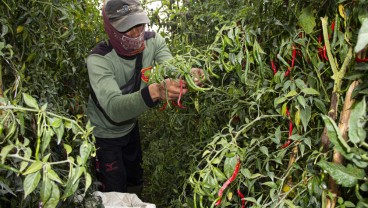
{"x": 274, "y": 69}
{"x": 228, "y": 182}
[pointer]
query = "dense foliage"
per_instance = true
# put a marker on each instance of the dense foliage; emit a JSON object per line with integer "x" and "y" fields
{"x": 280, "y": 73}
{"x": 280, "y": 120}
{"x": 45, "y": 140}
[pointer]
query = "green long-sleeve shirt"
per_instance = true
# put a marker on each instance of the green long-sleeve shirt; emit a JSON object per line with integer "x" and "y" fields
{"x": 107, "y": 72}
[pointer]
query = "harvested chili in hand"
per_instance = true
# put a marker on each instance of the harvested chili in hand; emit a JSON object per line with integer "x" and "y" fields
{"x": 226, "y": 184}
{"x": 163, "y": 107}
{"x": 361, "y": 60}
{"x": 145, "y": 73}
{"x": 180, "y": 94}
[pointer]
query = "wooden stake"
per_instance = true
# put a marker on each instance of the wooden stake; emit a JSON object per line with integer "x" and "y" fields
{"x": 343, "y": 127}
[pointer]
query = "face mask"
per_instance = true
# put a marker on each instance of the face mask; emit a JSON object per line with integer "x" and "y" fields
{"x": 132, "y": 44}
{"x": 123, "y": 44}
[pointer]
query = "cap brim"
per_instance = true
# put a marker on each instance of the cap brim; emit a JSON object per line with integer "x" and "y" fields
{"x": 125, "y": 24}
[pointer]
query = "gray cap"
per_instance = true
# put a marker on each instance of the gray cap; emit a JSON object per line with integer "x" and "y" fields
{"x": 125, "y": 14}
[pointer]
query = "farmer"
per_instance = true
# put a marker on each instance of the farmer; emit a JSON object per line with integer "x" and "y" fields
{"x": 118, "y": 96}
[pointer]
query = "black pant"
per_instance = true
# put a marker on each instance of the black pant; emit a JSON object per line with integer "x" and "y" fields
{"x": 120, "y": 161}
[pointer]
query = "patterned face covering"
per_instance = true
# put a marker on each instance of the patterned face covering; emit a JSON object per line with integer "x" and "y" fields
{"x": 124, "y": 45}
{"x": 130, "y": 43}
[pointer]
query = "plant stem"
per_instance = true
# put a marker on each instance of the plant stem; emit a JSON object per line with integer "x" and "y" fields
{"x": 32, "y": 161}
{"x": 337, "y": 76}
{"x": 48, "y": 113}
{"x": 244, "y": 128}
{"x": 343, "y": 127}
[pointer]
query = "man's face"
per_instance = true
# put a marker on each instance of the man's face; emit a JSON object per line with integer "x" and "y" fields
{"x": 135, "y": 31}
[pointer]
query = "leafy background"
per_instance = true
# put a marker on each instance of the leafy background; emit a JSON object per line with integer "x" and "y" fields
{"x": 190, "y": 152}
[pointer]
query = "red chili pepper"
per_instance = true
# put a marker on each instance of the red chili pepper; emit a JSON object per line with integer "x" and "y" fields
{"x": 273, "y": 66}
{"x": 290, "y": 128}
{"x": 163, "y": 107}
{"x": 180, "y": 94}
{"x": 333, "y": 25}
{"x": 243, "y": 202}
{"x": 320, "y": 37}
{"x": 287, "y": 112}
{"x": 287, "y": 143}
{"x": 301, "y": 34}
{"x": 143, "y": 76}
{"x": 325, "y": 53}
{"x": 293, "y": 56}
{"x": 360, "y": 60}
{"x": 292, "y": 62}
{"x": 226, "y": 184}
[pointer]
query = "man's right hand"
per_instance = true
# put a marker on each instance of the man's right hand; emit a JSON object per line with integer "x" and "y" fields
{"x": 169, "y": 89}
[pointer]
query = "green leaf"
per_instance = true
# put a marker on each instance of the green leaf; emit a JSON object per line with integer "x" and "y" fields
{"x": 23, "y": 166}
{"x": 54, "y": 198}
{"x": 264, "y": 150}
{"x": 308, "y": 142}
{"x": 34, "y": 167}
{"x": 270, "y": 184}
{"x": 345, "y": 176}
{"x": 357, "y": 133}
{"x": 307, "y": 21}
{"x": 277, "y": 137}
{"x": 305, "y": 116}
{"x": 46, "y": 138}
{"x": 205, "y": 153}
{"x": 300, "y": 84}
{"x": 56, "y": 122}
{"x": 45, "y": 189}
{"x": 291, "y": 94}
{"x": 44, "y": 107}
{"x": 220, "y": 176}
{"x": 54, "y": 176}
{"x": 229, "y": 166}
{"x": 216, "y": 160}
{"x": 59, "y": 132}
{"x": 349, "y": 204}
{"x": 5, "y": 151}
{"x": 84, "y": 151}
{"x": 6, "y": 187}
{"x": 362, "y": 37}
{"x": 70, "y": 189}
{"x": 310, "y": 91}
{"x": 30, "y": 101}
{"x": 30, "y": 182}
{"x": 67, "y": 148}
{"x": 320, "y": 105}
{"x": 77, "y": 173}
{"x": 279, "y": 100}
{"x": 88, "y": 181}
{"x": 335, "y": 136}
{"x": 301, "y": 101}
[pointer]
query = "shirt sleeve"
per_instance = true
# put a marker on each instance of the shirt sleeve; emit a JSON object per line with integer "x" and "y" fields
{"x": 117, "y": 106}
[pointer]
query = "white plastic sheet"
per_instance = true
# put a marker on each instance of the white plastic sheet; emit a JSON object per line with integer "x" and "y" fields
{"x": 119, "y": 200}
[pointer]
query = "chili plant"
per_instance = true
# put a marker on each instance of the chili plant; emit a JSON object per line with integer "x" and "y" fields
{"x": 33, "y": 169}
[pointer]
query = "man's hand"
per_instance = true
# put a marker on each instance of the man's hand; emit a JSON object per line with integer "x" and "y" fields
{"x": 198, "y": 76}
{"x": 172, "y": 89}
{"x": 169, "y": 89}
